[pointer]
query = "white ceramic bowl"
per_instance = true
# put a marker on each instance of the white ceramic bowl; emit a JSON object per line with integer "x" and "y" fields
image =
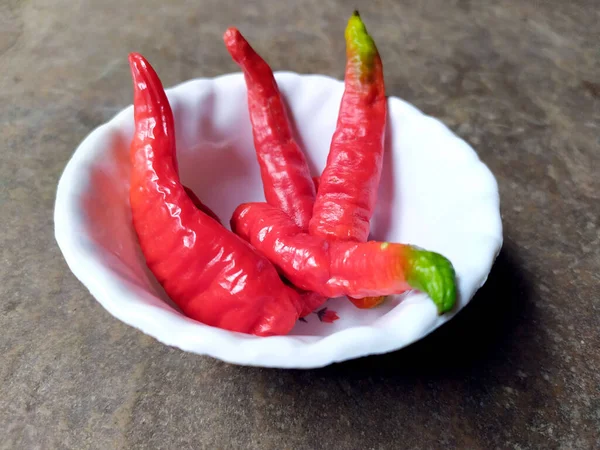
{"x": 435, "y": 193}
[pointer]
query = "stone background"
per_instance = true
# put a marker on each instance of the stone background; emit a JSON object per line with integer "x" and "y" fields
{"x": 518, "y": 79}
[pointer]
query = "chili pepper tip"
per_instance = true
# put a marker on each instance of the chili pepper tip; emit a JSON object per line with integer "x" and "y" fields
{"x": 135, "y": 57}
{"x": 231, "y": 31}
{"x": 360, "y": 46}
{"x": 236, "y": 43}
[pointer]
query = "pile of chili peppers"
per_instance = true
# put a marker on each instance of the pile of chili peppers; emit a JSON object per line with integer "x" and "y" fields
{"x": 308, "y": 241}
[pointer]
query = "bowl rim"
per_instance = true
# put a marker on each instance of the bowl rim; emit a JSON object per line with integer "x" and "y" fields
{"x": 173, "y": 328}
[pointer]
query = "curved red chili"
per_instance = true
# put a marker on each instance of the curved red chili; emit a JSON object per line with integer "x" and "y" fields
{"x": 349, "y": 182}
{"x": 210, "y": 273}
{"x": 285, "y": 173}
{"x": 335, "y": 268}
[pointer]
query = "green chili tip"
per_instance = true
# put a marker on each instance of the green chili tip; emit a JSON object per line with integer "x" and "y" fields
{"x": 433, "y": 274}
{"x": 359, "y": 43}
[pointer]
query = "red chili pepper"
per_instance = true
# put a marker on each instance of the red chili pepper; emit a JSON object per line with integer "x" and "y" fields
{"x": 335, "y": 268}
{"x": 348, "y": 186}
{"x": 285, "y": 173}
{"x": 349, "y": 183}
{"x": 213, "y": 275}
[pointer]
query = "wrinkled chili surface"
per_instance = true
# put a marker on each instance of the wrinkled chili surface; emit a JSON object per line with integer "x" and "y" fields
{"x": 285, "y": 257}
{"x": 284, "y": 171}
{"x": 210, "y": 273}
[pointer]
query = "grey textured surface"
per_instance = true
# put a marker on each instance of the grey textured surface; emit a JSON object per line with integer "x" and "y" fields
{"x": 518, "y": 79}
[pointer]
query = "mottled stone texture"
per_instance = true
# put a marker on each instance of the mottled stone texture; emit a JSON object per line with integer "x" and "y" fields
{"x": 518, "y": 79}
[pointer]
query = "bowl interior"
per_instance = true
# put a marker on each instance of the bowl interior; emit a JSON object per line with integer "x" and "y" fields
{"x": 434, "y": 192}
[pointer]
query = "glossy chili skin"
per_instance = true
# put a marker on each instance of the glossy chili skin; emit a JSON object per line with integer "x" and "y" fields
{"x": 285, "y": 174}
{"x": 350, "y": 180}
{"x": 287, "y": 182}
{"x": 335, "y": 268}
{"x": 348, "y": 185}
{"x": 210, "y": 273}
